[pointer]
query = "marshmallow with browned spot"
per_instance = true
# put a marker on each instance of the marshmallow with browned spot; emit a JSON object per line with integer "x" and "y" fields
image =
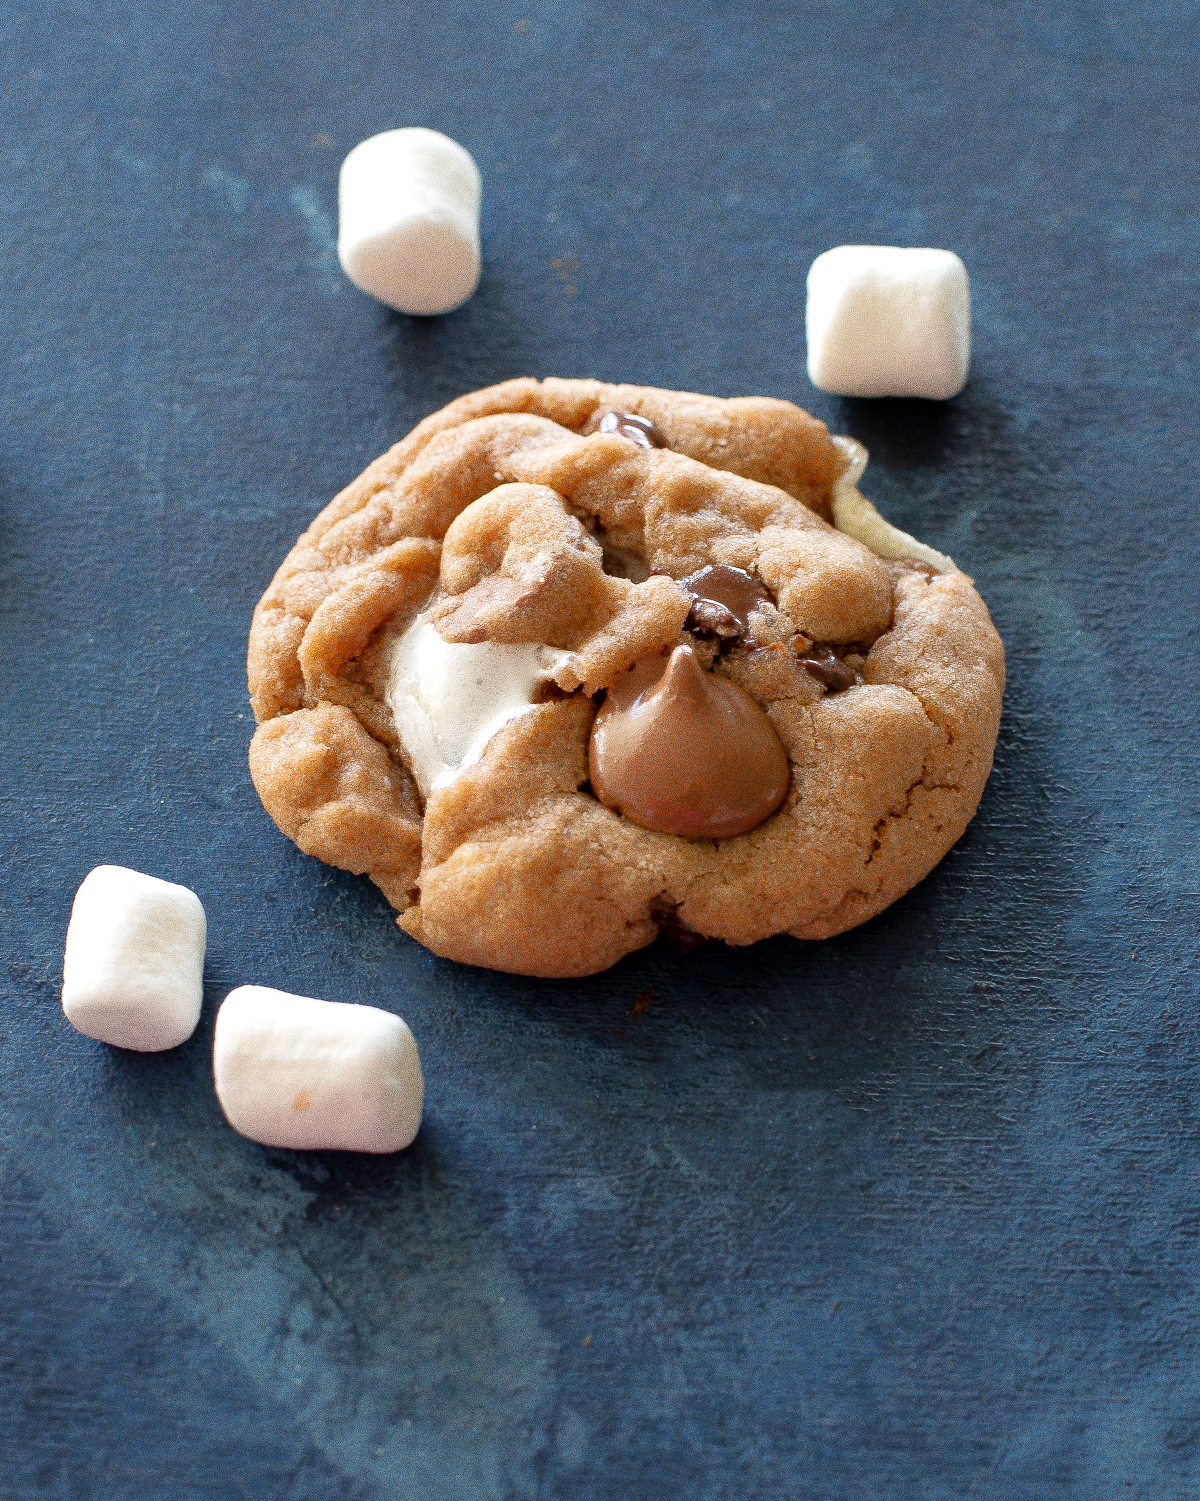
{"x": 293, "y": 1071}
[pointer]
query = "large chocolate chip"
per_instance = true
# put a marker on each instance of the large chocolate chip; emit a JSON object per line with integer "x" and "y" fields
{"x": 681, "y": 750}
{"x": 639, "y": 430}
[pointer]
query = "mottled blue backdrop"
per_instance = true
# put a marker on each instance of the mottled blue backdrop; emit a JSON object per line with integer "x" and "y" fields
{"x": 911, "y": 1215}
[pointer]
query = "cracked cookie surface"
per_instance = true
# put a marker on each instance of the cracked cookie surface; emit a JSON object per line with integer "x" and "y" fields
{"x": 513, "y": 522}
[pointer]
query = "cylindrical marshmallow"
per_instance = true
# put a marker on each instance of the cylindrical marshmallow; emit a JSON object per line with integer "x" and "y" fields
{"x": 291, "y": 1071}
{"x": 408, "y": 230}
{"x": 883, "y": 321}
{"x": 133, "y": 971}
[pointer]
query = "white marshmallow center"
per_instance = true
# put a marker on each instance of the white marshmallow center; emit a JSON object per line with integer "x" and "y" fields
{"x": 448, "y": 700}
{"x": 291, "y": 1071}
{"x": 408, "y": 231}
{"x": 133, "y": 970}
{"x": 883, "y": 321}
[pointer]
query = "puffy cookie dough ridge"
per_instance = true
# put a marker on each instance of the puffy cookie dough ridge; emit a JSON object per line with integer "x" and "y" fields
{"x": 965, "y": 718}
{"x": 739, "y": 434}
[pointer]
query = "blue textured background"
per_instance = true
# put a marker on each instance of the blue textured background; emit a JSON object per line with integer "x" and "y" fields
{"x": 909, "y": 1214}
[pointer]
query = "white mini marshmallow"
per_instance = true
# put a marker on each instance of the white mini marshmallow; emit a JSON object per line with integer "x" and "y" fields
{"x": 408, "y": 231}
{"x": 133, "y": 970}
{"x": 291, "y": 1071}
{"x": 883, "y": 321}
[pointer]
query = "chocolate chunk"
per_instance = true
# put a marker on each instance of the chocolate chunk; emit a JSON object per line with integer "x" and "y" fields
{"x": 629, "y": 425}
{"x": 828, "y": 669}
{"x": 676, "y": 749}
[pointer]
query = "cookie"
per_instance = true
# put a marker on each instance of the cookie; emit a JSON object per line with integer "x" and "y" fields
{"x": 574, "y": 664}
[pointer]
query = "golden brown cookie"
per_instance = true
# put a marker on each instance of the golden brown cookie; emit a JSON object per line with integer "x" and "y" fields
{"x": 427, "y": 664}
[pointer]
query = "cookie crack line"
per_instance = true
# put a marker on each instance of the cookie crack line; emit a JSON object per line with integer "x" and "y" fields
{"x": 572, "y": 530}
{"x": 890, "y": 817}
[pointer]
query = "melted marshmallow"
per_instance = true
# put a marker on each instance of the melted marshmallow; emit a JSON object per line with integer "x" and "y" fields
{"x": 448, "y": 700}
{"x": 854, "y": 514}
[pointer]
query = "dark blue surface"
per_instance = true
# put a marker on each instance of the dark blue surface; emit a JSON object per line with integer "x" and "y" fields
{"x": 907, "y": 1216}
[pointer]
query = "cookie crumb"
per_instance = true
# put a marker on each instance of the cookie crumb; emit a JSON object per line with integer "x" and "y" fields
{"x": 643, "y": 1003}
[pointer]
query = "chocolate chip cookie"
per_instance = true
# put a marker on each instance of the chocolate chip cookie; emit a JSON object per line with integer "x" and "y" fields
{"x": 574, "y": 664}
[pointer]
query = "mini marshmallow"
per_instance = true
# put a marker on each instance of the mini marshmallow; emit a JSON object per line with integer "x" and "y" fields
{"x": 133, "y": 969}
{"x": 408, "y": 231}
{"x": 883, "y": 321}
{"x": 291, "y": 1071}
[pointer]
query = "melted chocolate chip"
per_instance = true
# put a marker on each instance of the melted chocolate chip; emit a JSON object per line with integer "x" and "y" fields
{"x": 680, "y": 750}
{"x": 639, "y": 430}
{"x": 665, "y": 913}
{"x": 725, "y": 598}
{"x": 708, "y": 618}
{"x": 828, "y": 669}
